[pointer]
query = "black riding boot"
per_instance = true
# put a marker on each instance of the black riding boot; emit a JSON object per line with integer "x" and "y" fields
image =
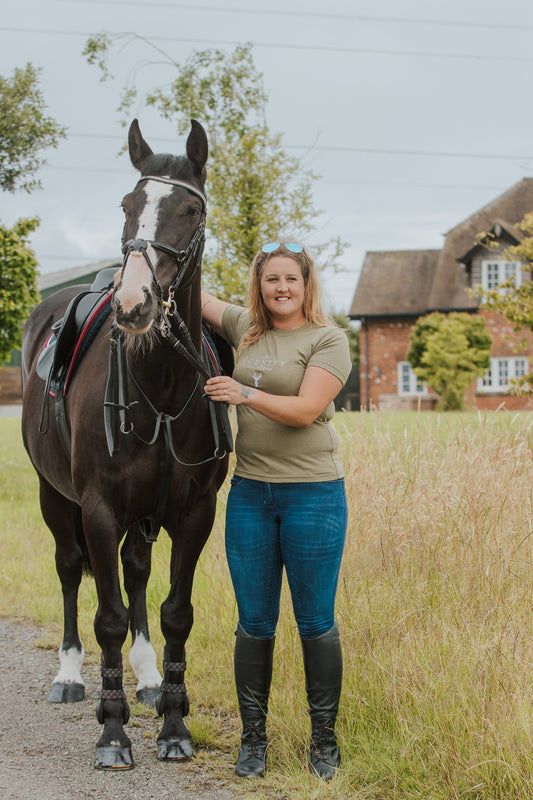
{"x": 323, "y": 679}
{"x": 253, "y": 673}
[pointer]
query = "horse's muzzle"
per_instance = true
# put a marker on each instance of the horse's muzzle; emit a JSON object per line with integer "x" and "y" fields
{"x": 131, "y": 316}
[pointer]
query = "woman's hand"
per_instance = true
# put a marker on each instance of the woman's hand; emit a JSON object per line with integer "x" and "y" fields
{"x": 317, "y": 390}
{"x": 225, "y": 390}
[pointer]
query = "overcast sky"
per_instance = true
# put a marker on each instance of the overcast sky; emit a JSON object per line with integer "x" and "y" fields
{"x": 415, "y": 115}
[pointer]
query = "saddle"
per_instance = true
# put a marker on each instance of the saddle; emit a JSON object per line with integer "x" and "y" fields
{"x": 71, "y": 336}
{"x": 69, "y": 340}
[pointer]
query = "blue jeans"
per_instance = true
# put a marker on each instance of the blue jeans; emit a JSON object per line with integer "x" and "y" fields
{"x": 299, "y": 526}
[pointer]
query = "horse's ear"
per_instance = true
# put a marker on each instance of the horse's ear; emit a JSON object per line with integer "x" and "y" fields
{"x": 197, "y": 147}
{"x": 138, "y": 148}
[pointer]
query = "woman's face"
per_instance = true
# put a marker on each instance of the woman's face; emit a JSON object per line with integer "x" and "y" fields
{"x": 283, "y": 290}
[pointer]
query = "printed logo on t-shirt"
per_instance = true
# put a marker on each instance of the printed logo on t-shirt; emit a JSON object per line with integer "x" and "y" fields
{"x": 257, "y": 377}
{"x": 261, "y": 364}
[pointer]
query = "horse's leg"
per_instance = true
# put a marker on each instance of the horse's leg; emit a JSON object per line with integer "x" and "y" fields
{"x": 188, "y": 538}
{"x": 113, "y": 749}
{"x": 63, "y": 517}
{"x": 136, "y": 555}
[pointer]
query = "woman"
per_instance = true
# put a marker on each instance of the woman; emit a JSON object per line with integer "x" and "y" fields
{"x": 287, "y": 505}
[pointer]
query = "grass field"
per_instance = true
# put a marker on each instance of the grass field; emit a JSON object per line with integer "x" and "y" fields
{"x": 435, "y": 608}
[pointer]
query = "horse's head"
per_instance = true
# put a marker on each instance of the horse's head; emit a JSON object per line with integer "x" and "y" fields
{"x": 164, "y": 229}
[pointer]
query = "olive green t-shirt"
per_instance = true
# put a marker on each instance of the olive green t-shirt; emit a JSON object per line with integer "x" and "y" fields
{"x": 267, "y": 450}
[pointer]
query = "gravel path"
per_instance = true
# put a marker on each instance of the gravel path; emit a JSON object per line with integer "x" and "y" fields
{"x": 47, "y": 749}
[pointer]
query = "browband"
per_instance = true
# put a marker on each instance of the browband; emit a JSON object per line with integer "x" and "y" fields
{"x": 174, "y": 182}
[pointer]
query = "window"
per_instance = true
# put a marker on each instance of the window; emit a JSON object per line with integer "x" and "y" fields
{"x": 408, "y": 383}
{"x": 498, "y": 377}
{"x": 494, "y": 273}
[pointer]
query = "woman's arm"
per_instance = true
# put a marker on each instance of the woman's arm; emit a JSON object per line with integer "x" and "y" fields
{"x": 212, "y": 311}
{"x": 318, "y": 388}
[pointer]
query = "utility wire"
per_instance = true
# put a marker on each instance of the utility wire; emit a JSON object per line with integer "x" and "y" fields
{"x": 311, "y": 148}
{"x": 297, "y": 46}
{"x": 498, "y": 26}
{"x": 341, "y": 181}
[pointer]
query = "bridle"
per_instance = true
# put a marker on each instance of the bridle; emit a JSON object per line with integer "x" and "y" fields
{"x": 191, "y": 257}
{"x": 116, "y": 405}
{"x": 188, "y": 260}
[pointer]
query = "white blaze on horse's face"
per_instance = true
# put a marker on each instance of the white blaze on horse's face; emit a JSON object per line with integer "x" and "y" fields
{"x": 155, "y": 192}
{"x": 133, "y": 296}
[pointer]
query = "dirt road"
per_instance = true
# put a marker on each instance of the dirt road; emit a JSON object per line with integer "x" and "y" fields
{"x": 46, "y": 749}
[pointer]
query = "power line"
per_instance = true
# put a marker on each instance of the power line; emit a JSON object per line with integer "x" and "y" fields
{"x": 341, "y": 181}
{"x": 424, "y": 153}
{"x": 282, "y": 46}
{"x": 311, "y": 148}
{"x": 499, "y": 26}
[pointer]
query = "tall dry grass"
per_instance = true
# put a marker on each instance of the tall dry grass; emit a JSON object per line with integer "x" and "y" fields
{"x": 434, "y": 605}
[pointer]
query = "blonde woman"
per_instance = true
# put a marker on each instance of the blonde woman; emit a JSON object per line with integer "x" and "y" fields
{"x": 287, "y": 506}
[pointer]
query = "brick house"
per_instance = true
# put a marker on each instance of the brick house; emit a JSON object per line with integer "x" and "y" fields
{"x": 397, "y": 287}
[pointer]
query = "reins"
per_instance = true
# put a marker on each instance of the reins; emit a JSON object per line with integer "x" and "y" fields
{"x": 117, "y": 407}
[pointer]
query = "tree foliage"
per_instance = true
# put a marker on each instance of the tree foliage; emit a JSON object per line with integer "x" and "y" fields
{"x": 353, "y": 336}
{"x": 449, "y": 351}
{"x": 516, "y": 302}
{"x": 18, "y": 276}
{"x": 257, "y": 192}
{"x": 25, "y": 130}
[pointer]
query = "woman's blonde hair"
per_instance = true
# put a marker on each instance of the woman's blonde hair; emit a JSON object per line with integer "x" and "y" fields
{"x": 259, "y": 314}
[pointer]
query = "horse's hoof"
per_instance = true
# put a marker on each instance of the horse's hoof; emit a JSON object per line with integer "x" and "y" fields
{"x": 148, "y": 696}
{"x": 66, "y": 693}
{"x": 174, "y": 750}
{"x": 113, "y": 756}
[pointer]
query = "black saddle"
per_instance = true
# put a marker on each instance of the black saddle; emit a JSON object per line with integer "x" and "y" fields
{"x": 55, "y": 363}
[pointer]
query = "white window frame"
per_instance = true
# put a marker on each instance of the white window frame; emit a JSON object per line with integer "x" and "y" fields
{"x": 502, "y": 370}
{"x": 497, "y": 271}
{"x": 412, "y": 387}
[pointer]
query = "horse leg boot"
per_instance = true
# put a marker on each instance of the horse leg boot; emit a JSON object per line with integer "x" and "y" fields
{"x": 253, "y": 674}
{"x": 323, "y": 678}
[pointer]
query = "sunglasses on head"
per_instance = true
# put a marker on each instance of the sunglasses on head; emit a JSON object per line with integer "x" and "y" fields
{"x": 292, "y": 246}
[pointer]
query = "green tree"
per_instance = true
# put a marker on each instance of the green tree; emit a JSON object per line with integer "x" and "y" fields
{"x": 256, "y": 191}
{"x": 25, "y": 130}
{"x": 449, "y": 351}
{"x": 515, "y": 302}
{"x": 18, "y": 269}
{"x": 352, "y": 333}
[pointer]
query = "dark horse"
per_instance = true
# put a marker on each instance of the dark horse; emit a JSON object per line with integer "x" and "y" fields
{"x": 142, "y": 453}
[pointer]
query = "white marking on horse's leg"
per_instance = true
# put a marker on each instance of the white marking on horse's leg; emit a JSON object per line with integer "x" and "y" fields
{"x": 143, "y": 662}
{"x": 70, "y": 670}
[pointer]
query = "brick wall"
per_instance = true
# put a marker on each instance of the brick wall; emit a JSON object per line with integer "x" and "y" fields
{"x": 10, "y": 386}
{"x": 385, "y": 342}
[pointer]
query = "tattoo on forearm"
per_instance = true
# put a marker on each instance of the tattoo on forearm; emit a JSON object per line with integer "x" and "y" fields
{"x": 246, "y": 391}
{"x": 206, "y": 304}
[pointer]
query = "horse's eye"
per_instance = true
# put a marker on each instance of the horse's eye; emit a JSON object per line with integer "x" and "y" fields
{"x": 193, "y": 211}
